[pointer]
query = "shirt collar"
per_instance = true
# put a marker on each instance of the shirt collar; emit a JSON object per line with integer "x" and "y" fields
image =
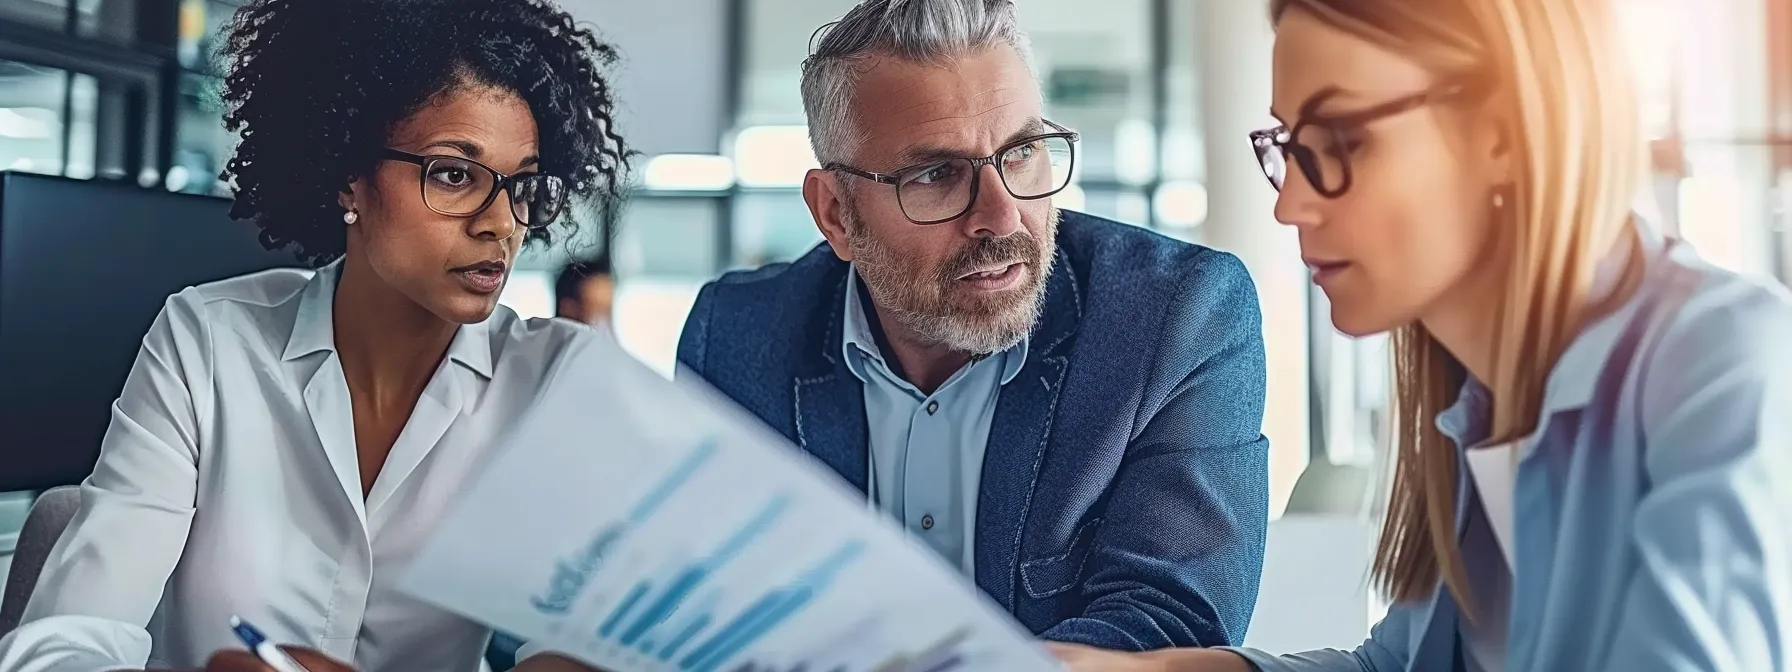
{"x": 858, "y": 335}
{"x": 1576, "y": 374}
{"x": 314, "y": 326}
{"x": 1575, "y": 377}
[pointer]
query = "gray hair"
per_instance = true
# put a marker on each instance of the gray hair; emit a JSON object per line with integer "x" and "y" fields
{"x": 921, "y": 31}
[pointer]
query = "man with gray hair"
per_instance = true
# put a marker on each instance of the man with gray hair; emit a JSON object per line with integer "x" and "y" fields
{"x": 1066, "y": 408}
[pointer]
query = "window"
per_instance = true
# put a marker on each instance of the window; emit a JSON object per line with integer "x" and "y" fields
{"x": 673, "y": 236}
{"x": 114, "y": 21}
{"x": 1094, "y": 62}
{"x": 772, "y": 226}
{"x": 42, "y": 13}
{"x": 1116, "y": 203}
{"x": 46, "y": 120}
{"x": 202, "y": 145}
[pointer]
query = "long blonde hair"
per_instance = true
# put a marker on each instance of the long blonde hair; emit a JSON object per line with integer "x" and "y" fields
{"x": 1557, "y": 71}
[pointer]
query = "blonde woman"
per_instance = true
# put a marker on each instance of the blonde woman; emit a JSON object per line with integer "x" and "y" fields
{"x": 1594, "y": 426}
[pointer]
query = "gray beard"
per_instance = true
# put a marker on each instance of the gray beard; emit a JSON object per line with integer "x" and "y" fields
{"x": 929, "y": 312}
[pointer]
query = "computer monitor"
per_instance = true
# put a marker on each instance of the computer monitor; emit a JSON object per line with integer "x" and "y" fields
{"x": 84, "y": 268}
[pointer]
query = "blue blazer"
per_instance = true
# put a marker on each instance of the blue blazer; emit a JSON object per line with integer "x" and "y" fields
{"x": 1124, "y": 497}
{"x": 1652, "y": 510}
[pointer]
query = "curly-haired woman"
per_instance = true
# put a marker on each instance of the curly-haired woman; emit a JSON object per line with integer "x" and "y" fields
{"x": 286, "y": 442}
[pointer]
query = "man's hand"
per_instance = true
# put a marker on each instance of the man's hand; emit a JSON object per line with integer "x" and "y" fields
{"x": 548, "y": 662}
{"x": 1079, "y": 658}
{"x": 243, "y": 661}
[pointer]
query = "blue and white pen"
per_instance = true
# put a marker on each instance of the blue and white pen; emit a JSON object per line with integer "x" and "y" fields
{"x": 262, "y": 648}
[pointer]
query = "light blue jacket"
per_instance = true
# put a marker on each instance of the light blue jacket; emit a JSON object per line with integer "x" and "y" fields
{"x": 1653, "y": 506}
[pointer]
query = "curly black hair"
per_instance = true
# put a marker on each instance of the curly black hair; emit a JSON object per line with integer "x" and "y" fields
{"x": 315, "y": 88}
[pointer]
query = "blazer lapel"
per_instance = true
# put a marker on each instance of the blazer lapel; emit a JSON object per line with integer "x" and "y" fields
{"x": 830, "y": 402}
{"x": 1018, "y": 435}
{"x": 830, "y": 424}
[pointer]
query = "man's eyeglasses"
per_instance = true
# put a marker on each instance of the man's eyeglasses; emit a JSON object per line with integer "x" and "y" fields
{"x": 1320, "y": 145}
{"x": 461, "y": 187}
{"x": 941, "y": 191}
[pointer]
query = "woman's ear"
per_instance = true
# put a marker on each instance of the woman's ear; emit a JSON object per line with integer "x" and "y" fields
{"x": 1498, "y": 149}
{"x": 346, "y": 197}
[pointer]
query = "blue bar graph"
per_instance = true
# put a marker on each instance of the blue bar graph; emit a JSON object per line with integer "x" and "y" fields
{"x": 571, "y": 574}
{"x": 684, "y": 636}
{"x": 662, "y": 617}
{"x": 768, "y": 612}
{"x": 680, "y": 475}
{"x": 692, "y": 577}
{"x": 628, "y": 602}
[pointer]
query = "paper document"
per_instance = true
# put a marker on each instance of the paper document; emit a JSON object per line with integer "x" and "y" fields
{"x": 644, "y": 525}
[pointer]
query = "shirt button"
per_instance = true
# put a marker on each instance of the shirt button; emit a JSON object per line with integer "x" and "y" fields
{"x": 932, "y": 407}
{"x": 927, "y": 522}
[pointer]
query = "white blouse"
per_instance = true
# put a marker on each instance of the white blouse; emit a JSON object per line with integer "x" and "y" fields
{"x": 228, "y": 483}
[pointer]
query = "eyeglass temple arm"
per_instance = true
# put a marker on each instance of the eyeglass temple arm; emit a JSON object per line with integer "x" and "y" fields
{"x": 880, "y": 178}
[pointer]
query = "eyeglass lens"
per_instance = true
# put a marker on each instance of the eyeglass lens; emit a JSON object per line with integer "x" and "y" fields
{"x": 942, "y": 191}
{"x": 462, "y": 188}
{"x": 1319, "y": 151}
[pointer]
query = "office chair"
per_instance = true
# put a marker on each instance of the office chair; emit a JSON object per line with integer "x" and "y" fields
{"x": 50, "y": 514}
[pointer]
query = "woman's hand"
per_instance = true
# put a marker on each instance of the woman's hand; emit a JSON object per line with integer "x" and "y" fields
{"x": 243, "y": 661}
{"x": 1079, "y": 658}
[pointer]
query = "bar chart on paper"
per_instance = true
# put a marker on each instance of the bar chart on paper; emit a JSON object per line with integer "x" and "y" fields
{"x": 669, "y": 619}
{"x": 715, "y": 550}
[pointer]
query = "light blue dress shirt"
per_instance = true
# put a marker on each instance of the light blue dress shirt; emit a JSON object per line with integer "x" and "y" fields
{"x": 1652, "y": 507}
{"x": 926, "y": 450}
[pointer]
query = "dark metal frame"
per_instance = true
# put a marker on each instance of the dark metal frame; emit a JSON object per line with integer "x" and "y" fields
{"x": 899, "y": 177}
{"x": 426, "y": 164}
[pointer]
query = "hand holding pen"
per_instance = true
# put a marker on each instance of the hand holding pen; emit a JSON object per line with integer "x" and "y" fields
{"x": 264, "y": 656}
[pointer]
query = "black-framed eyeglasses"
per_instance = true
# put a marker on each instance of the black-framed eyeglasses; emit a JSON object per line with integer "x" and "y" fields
{"x": 940, "y": 191}
{"x": 461, "y": 187}
{"x": 1321, "y": 145}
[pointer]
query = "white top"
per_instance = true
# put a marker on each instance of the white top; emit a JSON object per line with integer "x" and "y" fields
{"x": 1494, "y": 470}
{"x": 229, "y": 477}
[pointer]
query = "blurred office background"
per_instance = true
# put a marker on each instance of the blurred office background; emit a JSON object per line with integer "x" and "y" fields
{"x": 1162, "y": 91}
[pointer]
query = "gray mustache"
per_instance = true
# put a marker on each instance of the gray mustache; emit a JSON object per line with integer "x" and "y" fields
{"x": 986, "y": 251}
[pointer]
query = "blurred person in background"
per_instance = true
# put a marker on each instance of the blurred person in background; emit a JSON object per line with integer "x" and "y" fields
{"x": 285, "y": 443}
{"x": 1593, "y": 450}
{"x": 585, "y": 291}
{"x": 1066, "y": 408}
